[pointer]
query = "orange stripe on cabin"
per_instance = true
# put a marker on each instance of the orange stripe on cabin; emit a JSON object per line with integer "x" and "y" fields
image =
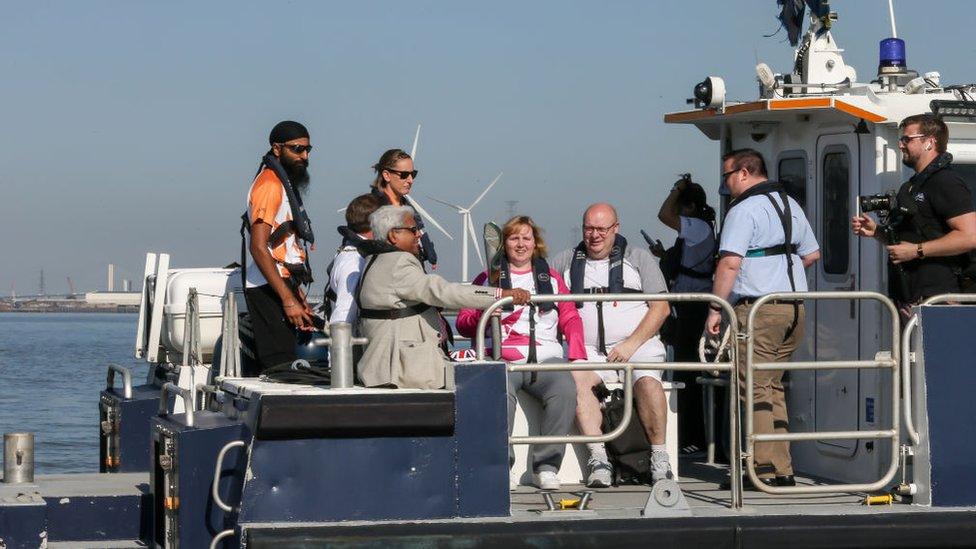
{"x": 746, "y": 107}
{"x": 688, "y": 116}
{"x": 776, "y": 105}
{"x": 858, "y": 112}
{"x": 787, "y": 104}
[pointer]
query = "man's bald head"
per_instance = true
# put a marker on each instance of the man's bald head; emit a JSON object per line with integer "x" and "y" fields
{"x": 601, "y": 209}
{"x": 600, "y": 228}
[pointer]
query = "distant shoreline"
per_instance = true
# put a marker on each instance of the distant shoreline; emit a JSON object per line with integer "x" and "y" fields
{"x": 127, "y": 309}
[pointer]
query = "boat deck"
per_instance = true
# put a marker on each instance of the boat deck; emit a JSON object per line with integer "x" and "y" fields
{"x": 834, "y": 521}
{"x": 830, "y": 521}
{"x": 700, "y": 486}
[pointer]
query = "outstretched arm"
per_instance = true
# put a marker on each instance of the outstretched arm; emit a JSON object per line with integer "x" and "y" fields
{"x": 669, "y": 214}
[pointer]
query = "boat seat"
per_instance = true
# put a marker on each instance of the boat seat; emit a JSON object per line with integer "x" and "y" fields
{"x": 357, "y": 415}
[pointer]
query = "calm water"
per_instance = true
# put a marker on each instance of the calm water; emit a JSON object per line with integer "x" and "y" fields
{"x": 52, "y": 367}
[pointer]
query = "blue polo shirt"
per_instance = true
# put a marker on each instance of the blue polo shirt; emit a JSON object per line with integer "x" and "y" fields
{"x": 753, "y": 224}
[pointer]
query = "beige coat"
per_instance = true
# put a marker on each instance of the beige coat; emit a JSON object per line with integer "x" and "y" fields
{"x": 405, "y": 352}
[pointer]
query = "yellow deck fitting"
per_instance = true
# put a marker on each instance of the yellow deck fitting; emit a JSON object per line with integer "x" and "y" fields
{"x": 569, "y": 503}
{"x": 879, "y": 500}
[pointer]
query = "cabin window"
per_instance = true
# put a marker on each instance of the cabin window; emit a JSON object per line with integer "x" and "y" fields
{"x": 836, "y": 212}
{"x": 792, "y": 174}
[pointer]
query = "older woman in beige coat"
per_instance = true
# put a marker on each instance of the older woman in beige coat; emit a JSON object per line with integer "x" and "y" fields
{"x": 397, "y": 301}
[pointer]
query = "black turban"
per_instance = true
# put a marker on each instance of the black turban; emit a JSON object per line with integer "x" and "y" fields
{"x": 284, "y": 132}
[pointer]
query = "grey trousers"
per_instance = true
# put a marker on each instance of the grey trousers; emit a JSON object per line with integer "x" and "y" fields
{"x": 557, "y": 393}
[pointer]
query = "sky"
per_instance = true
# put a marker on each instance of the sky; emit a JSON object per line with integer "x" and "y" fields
{"x": 135, "y": 126}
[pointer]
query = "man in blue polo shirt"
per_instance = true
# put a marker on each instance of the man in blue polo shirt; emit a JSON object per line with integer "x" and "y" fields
{"x": 766, "y": 244}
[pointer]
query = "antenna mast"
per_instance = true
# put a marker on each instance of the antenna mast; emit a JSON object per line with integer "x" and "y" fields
{"x": 891, "y": 13}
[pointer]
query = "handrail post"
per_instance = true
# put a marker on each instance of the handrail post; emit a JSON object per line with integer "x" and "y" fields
{"x": 735, "y": 416}
{"x": 341, "y": 355}
{"x": 214, "y": 492}
{"x": 185, "y": 394}
{"x": 126, "y": 379}
{"x": 496, "y": 338}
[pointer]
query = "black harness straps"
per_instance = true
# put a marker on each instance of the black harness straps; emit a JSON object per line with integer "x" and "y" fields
{"x": 615, "y": 282}
{"x": 543, "y": 285}
{"x": 787, "y": 248}
{"x": 384, "y": 314}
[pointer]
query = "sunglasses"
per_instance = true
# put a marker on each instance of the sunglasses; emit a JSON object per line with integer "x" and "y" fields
{"x": 403, "y": 175}
{"x": 415, "y": 230}
{"x": 297, "y": 149}
{"x": 905, "y": 139}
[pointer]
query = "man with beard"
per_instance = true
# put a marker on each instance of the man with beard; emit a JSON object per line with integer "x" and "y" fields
{"x": 280, "y": 232}
{"x": 939, "y": 228}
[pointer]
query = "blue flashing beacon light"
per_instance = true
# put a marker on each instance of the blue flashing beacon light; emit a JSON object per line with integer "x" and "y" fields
{"x": 892, "y": 56}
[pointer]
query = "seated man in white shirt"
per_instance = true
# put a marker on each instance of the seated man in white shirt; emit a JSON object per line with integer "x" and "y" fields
{"x": 618, "y": 332}
{"x": 344, "y": 271}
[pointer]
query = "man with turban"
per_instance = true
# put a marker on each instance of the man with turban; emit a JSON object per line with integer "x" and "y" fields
{"x": 280, "y": 233}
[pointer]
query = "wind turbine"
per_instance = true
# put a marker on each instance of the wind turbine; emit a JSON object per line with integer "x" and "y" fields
{"x": 413, "y": 201}
{"x": 467, "y": 227}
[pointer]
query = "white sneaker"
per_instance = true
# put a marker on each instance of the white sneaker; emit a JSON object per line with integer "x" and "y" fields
{"x": 599, "y": 474}
{"x": 546, "y": 480}
{"x": 660, "y": 466}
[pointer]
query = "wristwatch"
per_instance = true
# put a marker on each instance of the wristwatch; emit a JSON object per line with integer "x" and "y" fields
{"x": 918, "y": 250}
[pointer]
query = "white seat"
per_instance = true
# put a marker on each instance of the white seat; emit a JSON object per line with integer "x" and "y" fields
{"x": 528, "y": 418}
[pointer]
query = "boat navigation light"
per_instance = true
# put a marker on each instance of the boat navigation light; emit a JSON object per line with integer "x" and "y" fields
{"x": 710, "y": 93}
{"x": 956, "y": 110}
{"x": 766, "y": 76}
{"x": 892, "y": 57}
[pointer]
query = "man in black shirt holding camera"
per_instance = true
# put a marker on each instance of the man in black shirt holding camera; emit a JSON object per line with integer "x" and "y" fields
{"x": 934, "y": 221}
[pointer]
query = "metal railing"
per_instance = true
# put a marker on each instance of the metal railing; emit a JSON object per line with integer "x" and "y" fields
{"x": 185, "y": 394}
{"x": 628, "y": 369}
{"x": 879, "y": 363}
{"x": 192, "y": 354}
{"x": 230, "y": 340}
{"x": 215, "y": 490}
{"x": 908, "y": 358}
{"x": 126, "y": 379}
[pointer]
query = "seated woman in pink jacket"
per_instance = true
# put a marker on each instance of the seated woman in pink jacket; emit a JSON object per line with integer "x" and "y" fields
{"x": 530, "y": 335}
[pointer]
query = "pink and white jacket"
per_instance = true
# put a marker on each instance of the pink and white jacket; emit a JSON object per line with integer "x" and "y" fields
{"x": 515, "y": 324}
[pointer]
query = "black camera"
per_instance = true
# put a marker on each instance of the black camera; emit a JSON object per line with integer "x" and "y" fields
{"x": 877, "y": 202}
{"x": 890, "y": 214}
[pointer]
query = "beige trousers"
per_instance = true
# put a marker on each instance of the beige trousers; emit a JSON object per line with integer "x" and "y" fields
{"x": 777, "y": 333}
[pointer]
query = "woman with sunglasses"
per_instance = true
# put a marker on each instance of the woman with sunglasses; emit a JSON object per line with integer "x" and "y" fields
{"x": 395, "y": 176}
{"x": 530, "y": 335}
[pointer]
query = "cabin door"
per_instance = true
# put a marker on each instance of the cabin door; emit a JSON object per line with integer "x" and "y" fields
{"x": 836, "y": 327}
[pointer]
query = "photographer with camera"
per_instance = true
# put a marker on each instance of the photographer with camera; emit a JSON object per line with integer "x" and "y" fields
{"x": 929, "y": 226}
{"x": 688, "y": 266}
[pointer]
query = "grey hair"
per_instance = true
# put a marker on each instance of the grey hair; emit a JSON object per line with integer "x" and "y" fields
{"x": 387, "y": 218}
